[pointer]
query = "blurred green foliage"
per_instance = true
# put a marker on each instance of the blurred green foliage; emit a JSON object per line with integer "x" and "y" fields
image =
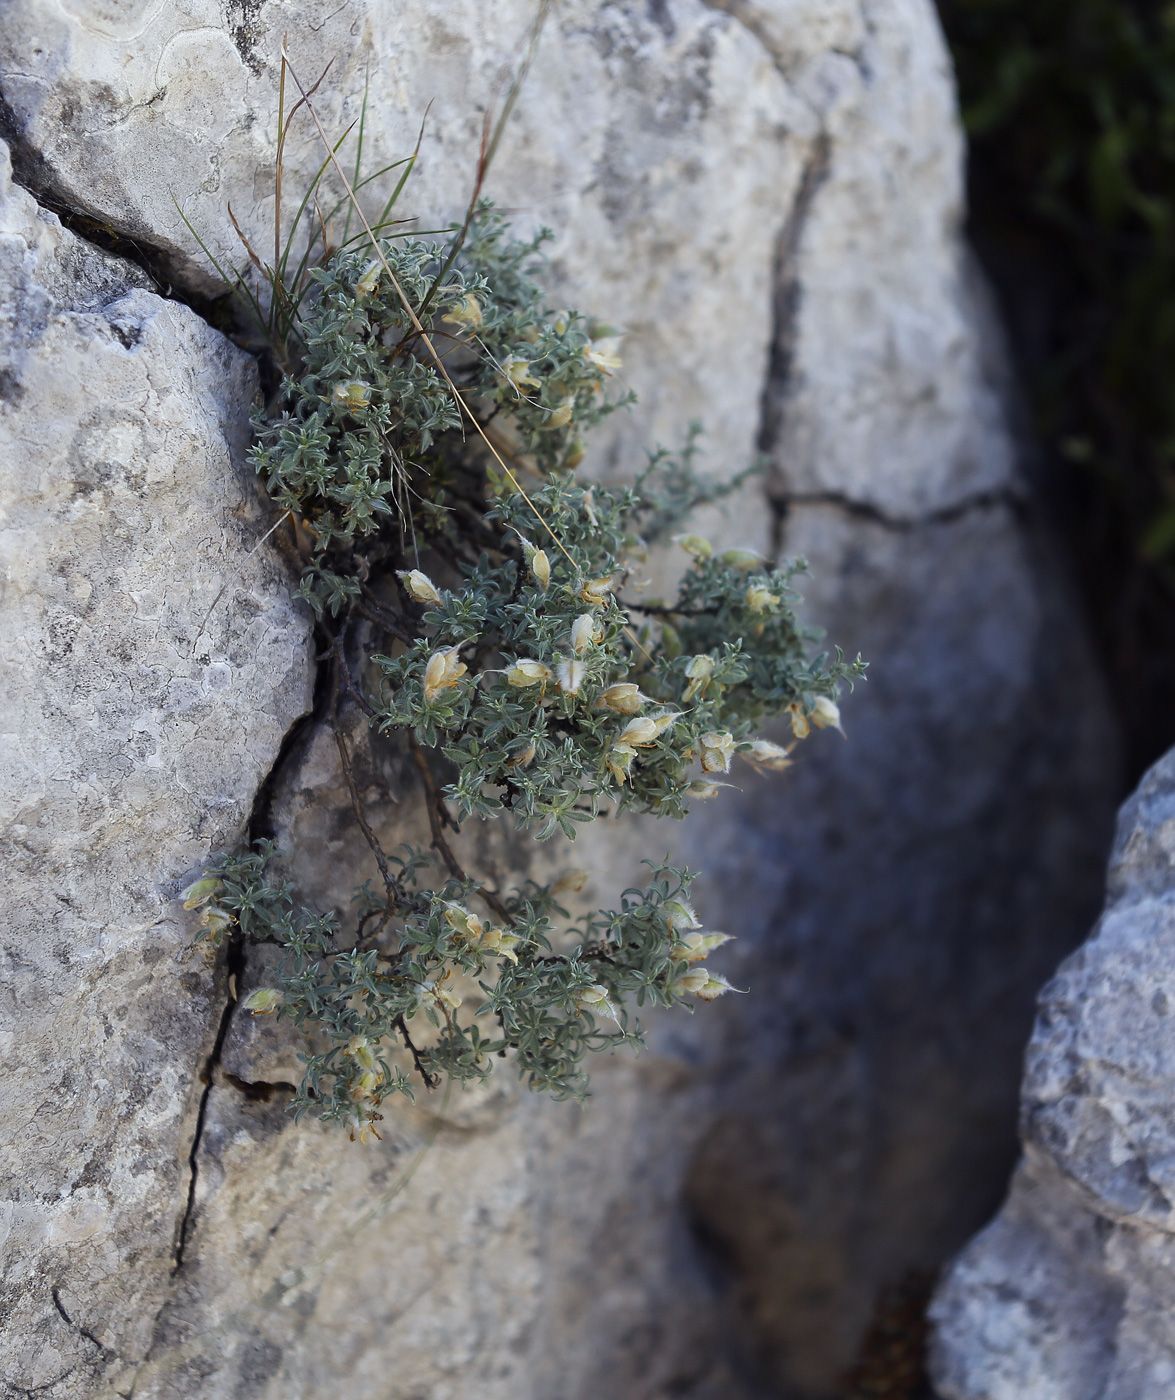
{"x": 1070, "y": 110}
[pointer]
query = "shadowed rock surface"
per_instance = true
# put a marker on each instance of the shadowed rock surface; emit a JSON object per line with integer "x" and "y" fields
{"x": 767, "y": 196}
{"x": 1069, "y": 1292}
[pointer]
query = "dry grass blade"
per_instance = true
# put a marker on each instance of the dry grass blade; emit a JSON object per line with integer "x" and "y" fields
{"x": 426, "y": 340}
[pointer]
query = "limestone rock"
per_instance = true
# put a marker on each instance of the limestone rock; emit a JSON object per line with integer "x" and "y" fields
{"x": 1069, "y": 1292}
{"x": 766, "y": 194}
{"x": 138, "y": 723}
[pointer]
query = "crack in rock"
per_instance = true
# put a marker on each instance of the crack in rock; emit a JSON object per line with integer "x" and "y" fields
{"x": 1009, "y": 497}
{"x": 34, "y": 174}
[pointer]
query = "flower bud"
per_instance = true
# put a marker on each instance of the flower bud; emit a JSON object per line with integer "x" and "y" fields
{"x": 460, "y": 919}
{"x": 201, "y": 891}
{"x": 695, "y": 545}
{"x": 575, "y": 454}
{"x": 679, "y": 914}
{"x": 216, "y": 920}
{"x": 419, "y": 585}
{"x": 670, "y": 641}
{"x": 825, "y": 713}
{"x": 540, "y": 567}
{"x": 360, "y": 1050}
{"x": 364, "y": 1087}
{"x": 703, "y": 789}
{"x": 799, "y": 722}
{"x": 263, "y": 1001}
{"x": 740, "y": 558}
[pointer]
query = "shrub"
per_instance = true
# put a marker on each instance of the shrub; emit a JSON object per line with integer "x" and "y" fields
{"x": 500, "y": 630}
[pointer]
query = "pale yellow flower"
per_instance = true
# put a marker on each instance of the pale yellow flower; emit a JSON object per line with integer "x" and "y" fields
{"x": 763, "y": 753}
{"x": 200, "y": 891}
{"x": 524, "y": 673}
{"x": 361, "y": 1050}
{"x": 699, "y": 671}
{"x": 716, "y": 751}
{"x": 515, "y": 371}
{"x": 695, "y": 545}
{"x": 364, "y": 1087}
{"x": 262, "y": 1002}
{"x": 625, "y": 698}
{"x": 701, "y": 983}
{"x": 216, "y": 920}
{"x": 466, "y": 314}
{"x": 799, "y": 721}
{"x": 571, "y": 882}
{"x": 420, "y": 585}
{"x": 759, "y": 598}
{"x": 351, "y": 395}
{"x": 569, "y": 675}
{"x": 740, "y": 558}
{"x": 679, "y": 914}
{"x": 561, "y": 416}
{"x": 825, "y": 713}
{"x": 595, "y": 591}
{"x": 693, "y": 947}
{"x": 704, "y": 789}
{"x": 584, "y": 631}
{"x": 370, "y": 279}
{"x": 604, "y": 353}
{"x": 540, "y": 567}
{"x": 595, "y": 998}
{"x": 444, "y": 669}
{"x": 619, "y": 761}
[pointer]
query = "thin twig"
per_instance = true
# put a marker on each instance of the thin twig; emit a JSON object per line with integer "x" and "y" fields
{"x": 391, "y": 884}
{"x": 430, "y": 1080}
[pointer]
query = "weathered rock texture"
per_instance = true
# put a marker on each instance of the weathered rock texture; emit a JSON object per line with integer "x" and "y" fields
{"x": 768, "y": 196}
{"x": 138, "y": 725}
{"x": 1070, "y": 1292}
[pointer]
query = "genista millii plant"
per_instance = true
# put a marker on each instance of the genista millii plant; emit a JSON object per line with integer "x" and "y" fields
{"x": 481, "y": 605}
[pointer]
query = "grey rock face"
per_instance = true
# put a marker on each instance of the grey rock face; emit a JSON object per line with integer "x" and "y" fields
{"x": 1070, "y": 1291}
{"x": 767, "y": 195}
{"x": 138, "y": 722}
